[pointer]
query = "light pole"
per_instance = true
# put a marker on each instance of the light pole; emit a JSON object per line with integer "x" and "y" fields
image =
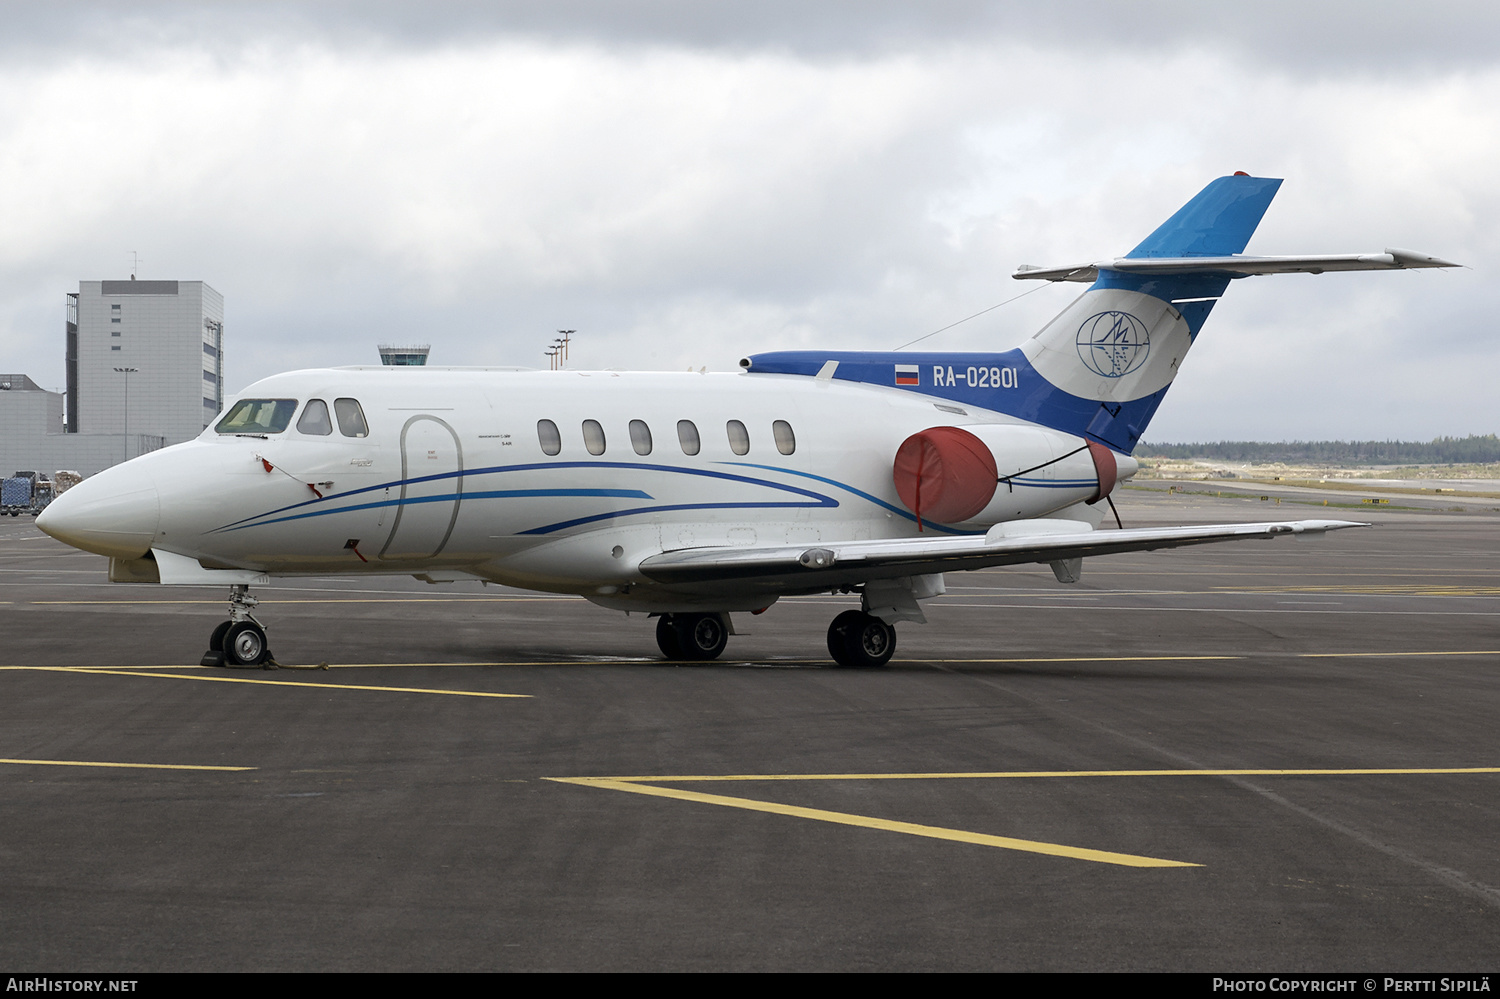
{"x": 557, "y": 354}
{"x": 126, "y": 372}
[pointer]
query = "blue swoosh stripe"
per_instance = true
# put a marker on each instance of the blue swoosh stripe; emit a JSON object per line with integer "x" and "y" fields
{"x": 861, "y": 494}
{"x": 491, "y": 470}
{"x": 563, "y": 525}
{"x": 817, "y": 499}
{"x": 1053, "y": 483}
{"x": 449, "y": 497}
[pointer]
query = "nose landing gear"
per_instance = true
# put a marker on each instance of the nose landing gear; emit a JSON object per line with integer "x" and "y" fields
{"x": 240, "y": 641}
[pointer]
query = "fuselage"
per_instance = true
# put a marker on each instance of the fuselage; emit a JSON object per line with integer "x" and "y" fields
{"x": 558, "y": 481}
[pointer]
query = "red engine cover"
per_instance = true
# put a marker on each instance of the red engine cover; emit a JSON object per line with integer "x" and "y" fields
{"x": 1107, "y": 468}
{"x": 945, "y": 474}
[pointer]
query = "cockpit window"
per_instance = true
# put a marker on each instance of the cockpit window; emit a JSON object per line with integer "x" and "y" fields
{"x": 257, "y": 416}
{"x": 315, "y": 421}
{"x": 351, "y": 418}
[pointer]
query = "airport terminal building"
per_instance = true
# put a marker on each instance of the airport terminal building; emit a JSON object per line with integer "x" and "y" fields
{"x": 145, "y": 369}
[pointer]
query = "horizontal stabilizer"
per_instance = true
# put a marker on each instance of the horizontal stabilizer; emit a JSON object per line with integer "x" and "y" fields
{"x": 805, "y": 568}
{"x": 1236, "y": 265}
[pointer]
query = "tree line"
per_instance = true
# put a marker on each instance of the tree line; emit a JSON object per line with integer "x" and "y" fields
{"x": 1475, "y": 449}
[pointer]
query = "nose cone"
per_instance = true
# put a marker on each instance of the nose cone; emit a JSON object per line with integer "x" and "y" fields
{"x": 114, "y": 513}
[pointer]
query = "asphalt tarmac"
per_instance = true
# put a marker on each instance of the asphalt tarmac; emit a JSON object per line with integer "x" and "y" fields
{"x": 1262, "y": 756}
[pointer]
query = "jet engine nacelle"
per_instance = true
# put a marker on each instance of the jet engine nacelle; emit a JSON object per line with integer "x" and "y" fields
{"x": 985, "y": 474}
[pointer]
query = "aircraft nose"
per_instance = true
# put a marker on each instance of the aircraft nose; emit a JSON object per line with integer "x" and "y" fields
{"x": 114, "y": 513}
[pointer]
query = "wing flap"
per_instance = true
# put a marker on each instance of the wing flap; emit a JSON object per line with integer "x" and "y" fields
{"x": 818, "y": 567}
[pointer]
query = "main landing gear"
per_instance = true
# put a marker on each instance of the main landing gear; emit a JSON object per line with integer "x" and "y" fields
{"x": 857, "y": 640}
{"x": 240, "y": 641}
{"x": 692, "y": 637}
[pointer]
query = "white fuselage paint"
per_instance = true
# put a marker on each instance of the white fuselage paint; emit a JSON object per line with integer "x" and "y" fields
{"x": 452, "y": 477}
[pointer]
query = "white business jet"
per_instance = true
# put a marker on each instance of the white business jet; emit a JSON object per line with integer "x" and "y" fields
{"x": 690, "y": 496}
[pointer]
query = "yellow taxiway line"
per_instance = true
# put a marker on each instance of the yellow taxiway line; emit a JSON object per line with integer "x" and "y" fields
{"x": 649, "y": 786}
{"x": 1370, "y": 589}
{"x": 1005, "y": 774}
{"x": 272, "y": 683}
{"x": 888, "y": 825}
{"x": 311, "y": 600}
{"x": 638, "y": 660}
{"x": 1391, "y": 655}
{"x": 131, "y": 766}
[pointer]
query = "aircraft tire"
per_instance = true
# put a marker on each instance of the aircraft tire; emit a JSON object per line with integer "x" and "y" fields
{"x": 245, "y": 645}
{"x": 838, "y": 636}
{"x": 216, "y": 640}
{"x": 666, "y": 637}
{"x": 700, "y": 636}
{"x": 857, "y": 640}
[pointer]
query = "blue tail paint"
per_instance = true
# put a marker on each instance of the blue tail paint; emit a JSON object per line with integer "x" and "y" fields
{"x": 1101, "y": 368}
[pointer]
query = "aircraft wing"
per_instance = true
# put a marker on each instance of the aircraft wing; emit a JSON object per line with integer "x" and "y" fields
{"x": 1237, "y": 266}
{"x": 810, "y": 568}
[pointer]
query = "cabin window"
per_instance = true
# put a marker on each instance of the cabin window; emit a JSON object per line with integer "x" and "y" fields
{"x": 739, "y": 437}
{"x": 257, "y": 416}
{"x": 640, "y": 436}
{"x": 786, "y": 441}
{"x": 351, "y": 418}
{"x": 548, "y": 437}
{"x": 315, "y": 421}
{"x": 593, "y": 436}
{"x": 687, "y": 436}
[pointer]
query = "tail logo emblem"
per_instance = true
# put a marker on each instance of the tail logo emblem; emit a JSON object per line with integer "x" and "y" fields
{"x": 1113, "y": 344}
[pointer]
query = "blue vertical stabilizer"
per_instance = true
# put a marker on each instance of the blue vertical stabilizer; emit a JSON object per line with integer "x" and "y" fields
{"x": 1101, "y": 368}
{"x": 1216, "y": 223}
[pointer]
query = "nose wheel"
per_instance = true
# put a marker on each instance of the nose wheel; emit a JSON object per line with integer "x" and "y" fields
{"x": 241, "y": 641}
{"x": 245, "y": 645}
{"x": 857, "y": 640}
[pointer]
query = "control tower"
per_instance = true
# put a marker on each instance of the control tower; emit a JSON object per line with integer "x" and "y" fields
{"x": 413, "y": 356}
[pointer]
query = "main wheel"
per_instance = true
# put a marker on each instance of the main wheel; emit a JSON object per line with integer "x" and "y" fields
{"x": 838, "y": 635}
{"x": 700, "y": 636}
{"x": 245, "y": 645}
{"x": 857, "y": 640}
{"x": 216, "y": 640}
{"x": 666, "y": 638}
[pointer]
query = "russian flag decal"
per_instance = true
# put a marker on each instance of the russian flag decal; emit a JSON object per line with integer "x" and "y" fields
{"x": 906, "y": 374}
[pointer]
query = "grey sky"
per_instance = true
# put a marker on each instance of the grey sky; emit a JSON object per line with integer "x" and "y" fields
{"x": 1311, "y": 38}
{"x": 686, "y": 183}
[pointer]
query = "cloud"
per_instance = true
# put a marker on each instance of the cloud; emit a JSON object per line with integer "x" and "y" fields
{"x": 1335, "y": 36}
{"x": 685, "y": 184}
